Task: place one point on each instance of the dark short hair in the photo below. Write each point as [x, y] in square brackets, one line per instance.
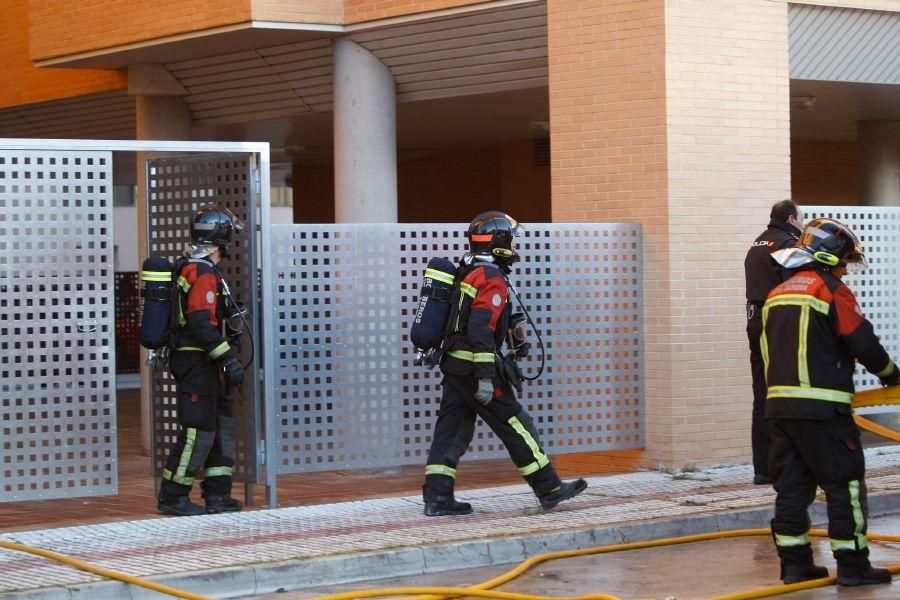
[783, 210]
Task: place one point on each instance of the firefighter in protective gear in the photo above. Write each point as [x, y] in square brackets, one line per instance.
[761, 275]
[813, 334]
[200, 359]
[478, 324]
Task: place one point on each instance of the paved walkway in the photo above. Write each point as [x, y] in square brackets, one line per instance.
[261, 551]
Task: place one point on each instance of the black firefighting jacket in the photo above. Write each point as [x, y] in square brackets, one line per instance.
[201, 309]
[760, 271]
[813, 333]
[479, 318]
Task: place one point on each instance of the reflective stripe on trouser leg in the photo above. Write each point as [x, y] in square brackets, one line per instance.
[197, 445]
[440, 470]
[788, 541]
[859, 541]
[540, 459]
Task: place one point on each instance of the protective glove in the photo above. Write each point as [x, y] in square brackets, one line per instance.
[892, 378]
[485, 392]
[234, 371]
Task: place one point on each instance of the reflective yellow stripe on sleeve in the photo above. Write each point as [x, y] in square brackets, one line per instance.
[184, 284]
[219, 350]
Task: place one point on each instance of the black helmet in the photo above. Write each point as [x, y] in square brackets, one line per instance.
[832, 243]
[492, 234]
[214, 226]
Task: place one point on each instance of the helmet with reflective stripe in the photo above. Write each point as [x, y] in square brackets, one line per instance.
[832, 243]
[214, 225]
[491, 234]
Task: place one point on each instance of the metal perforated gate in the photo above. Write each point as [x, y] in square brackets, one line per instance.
[345, 390]
[877, 288]
[57, 372]
[178, 186]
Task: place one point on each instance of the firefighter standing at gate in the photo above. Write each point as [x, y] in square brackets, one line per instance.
[478, 321]
[813, 334]
[200, 358]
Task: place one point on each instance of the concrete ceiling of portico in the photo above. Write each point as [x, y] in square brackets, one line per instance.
[838, 106]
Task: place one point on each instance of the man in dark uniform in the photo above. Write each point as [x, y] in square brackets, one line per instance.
[813, 334]
[762, 274]
[200, 358]
[479, 319]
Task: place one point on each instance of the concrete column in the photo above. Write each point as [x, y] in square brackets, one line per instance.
[365, 137]
[879, 162]
[159, 116]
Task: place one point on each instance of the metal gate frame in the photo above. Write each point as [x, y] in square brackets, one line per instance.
[260, 150]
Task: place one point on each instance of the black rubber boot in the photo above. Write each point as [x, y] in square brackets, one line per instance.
[439, 506]
[797, 562]
[220, 504]
[855, 569]
[796, 573]
[565, 491]
[179, 506]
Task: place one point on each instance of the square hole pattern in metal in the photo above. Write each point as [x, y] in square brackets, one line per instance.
[877, 289]
[346, 392]
[57, 374]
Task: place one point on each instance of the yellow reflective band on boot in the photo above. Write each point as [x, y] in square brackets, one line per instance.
[440, 276]
[786, 541]
[440, 470]
[219, 350]
[156, 276]
[812, 393]
[845, 545]
[190, 440]
[219, 471]
[540, 459]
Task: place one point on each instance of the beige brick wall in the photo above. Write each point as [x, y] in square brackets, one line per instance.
[608, 153]
[675, 114]
[728, 126]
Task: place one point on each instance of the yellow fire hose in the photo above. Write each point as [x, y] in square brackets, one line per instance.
[876, 397]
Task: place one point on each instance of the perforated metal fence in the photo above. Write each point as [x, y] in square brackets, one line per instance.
[346, 393]
[877, 288]
[57, 377]
[178, 186]
[127, 302]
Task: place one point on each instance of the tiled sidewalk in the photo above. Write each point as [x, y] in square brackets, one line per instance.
[163, 546]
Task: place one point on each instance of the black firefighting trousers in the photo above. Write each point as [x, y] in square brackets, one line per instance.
[456, 424]
[805, 453]
[759, 433]
[205, 445]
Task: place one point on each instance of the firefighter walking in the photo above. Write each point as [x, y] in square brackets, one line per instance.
[478, 322]
[813, 334]
[200, 357]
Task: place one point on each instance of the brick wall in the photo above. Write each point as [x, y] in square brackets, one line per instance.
[23, 83]
[675, 114]
[824, 172]
[59, 28]
[728, 117]
[608, 154]
[291, 11]
[356, 11]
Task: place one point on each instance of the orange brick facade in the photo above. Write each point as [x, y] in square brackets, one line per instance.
[23, 83]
